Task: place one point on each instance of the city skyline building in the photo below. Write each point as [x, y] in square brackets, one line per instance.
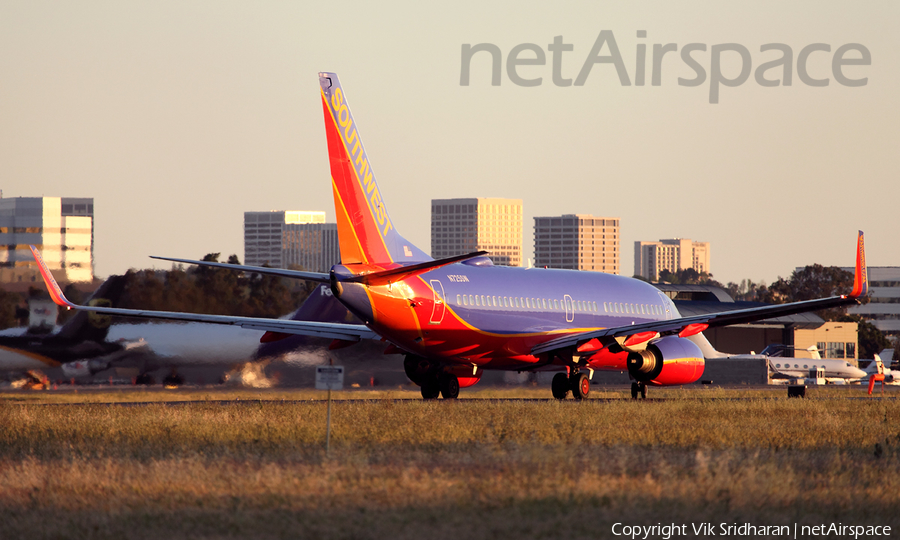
[62, 228]
[282, 238]
[577, 242]
[651, 258]
[460, 226]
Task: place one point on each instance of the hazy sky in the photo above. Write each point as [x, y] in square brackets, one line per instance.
[176, 117]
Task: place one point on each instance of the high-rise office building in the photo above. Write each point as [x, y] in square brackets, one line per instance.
[460, 226]
[577, 242]
[284, 238]
[651, 258]
[62, 228]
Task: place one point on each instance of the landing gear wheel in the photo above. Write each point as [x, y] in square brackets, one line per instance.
[581, 385]
[144, 379]
[449, 386]
[560, 386]
[643, 390]
[431, 388]
[173, 380]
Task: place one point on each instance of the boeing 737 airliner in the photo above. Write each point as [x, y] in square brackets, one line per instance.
[455, 318]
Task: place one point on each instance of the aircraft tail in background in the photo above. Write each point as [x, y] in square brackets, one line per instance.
[89, 326]
[365, 231]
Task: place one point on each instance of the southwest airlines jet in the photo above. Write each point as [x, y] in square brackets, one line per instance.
[455, 318]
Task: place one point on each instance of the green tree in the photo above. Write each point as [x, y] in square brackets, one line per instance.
[688, 276]
[810, 283]
[9, 302]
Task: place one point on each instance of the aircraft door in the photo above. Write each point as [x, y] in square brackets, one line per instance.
[437, 313]
[570, 308]
[666, 303]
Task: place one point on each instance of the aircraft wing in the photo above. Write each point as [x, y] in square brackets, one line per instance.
[688, 326]
[346, 332]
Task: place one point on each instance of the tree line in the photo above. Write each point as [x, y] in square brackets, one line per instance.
[195, 289]
[216, 291]
[203, 289]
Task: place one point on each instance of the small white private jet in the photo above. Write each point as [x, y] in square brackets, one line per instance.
[784, 367]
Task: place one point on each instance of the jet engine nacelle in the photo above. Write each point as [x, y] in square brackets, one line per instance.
[83, 368]
[668, 361]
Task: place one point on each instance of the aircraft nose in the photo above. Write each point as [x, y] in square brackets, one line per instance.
[858, 373]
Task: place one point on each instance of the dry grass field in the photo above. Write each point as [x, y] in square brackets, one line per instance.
[74, 466]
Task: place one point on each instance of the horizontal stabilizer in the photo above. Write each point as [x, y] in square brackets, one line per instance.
[396, 274]
[294, 274]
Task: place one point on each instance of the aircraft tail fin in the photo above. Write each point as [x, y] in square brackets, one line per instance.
[365, 231]
[861, 276]
[91, 326]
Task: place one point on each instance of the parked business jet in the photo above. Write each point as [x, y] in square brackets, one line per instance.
[81, 347]
[880, 366]
[784, 367]
[454, 318]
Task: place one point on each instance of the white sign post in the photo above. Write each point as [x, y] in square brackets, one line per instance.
[329, 378]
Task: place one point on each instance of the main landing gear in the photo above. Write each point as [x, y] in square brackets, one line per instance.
[578, 383]
[432, 380]
[444, 384]
[638, 388]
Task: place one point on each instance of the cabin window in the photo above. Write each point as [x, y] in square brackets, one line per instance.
[506, 302]
[778, 365]
[465, 300]
[805, 366]
[544, 302]
[555, 304]
[605, 307]
[494, 300]
[471, 300]
[458, 300]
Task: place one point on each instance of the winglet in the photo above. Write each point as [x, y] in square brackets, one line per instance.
[861, 277]
[52, 286]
